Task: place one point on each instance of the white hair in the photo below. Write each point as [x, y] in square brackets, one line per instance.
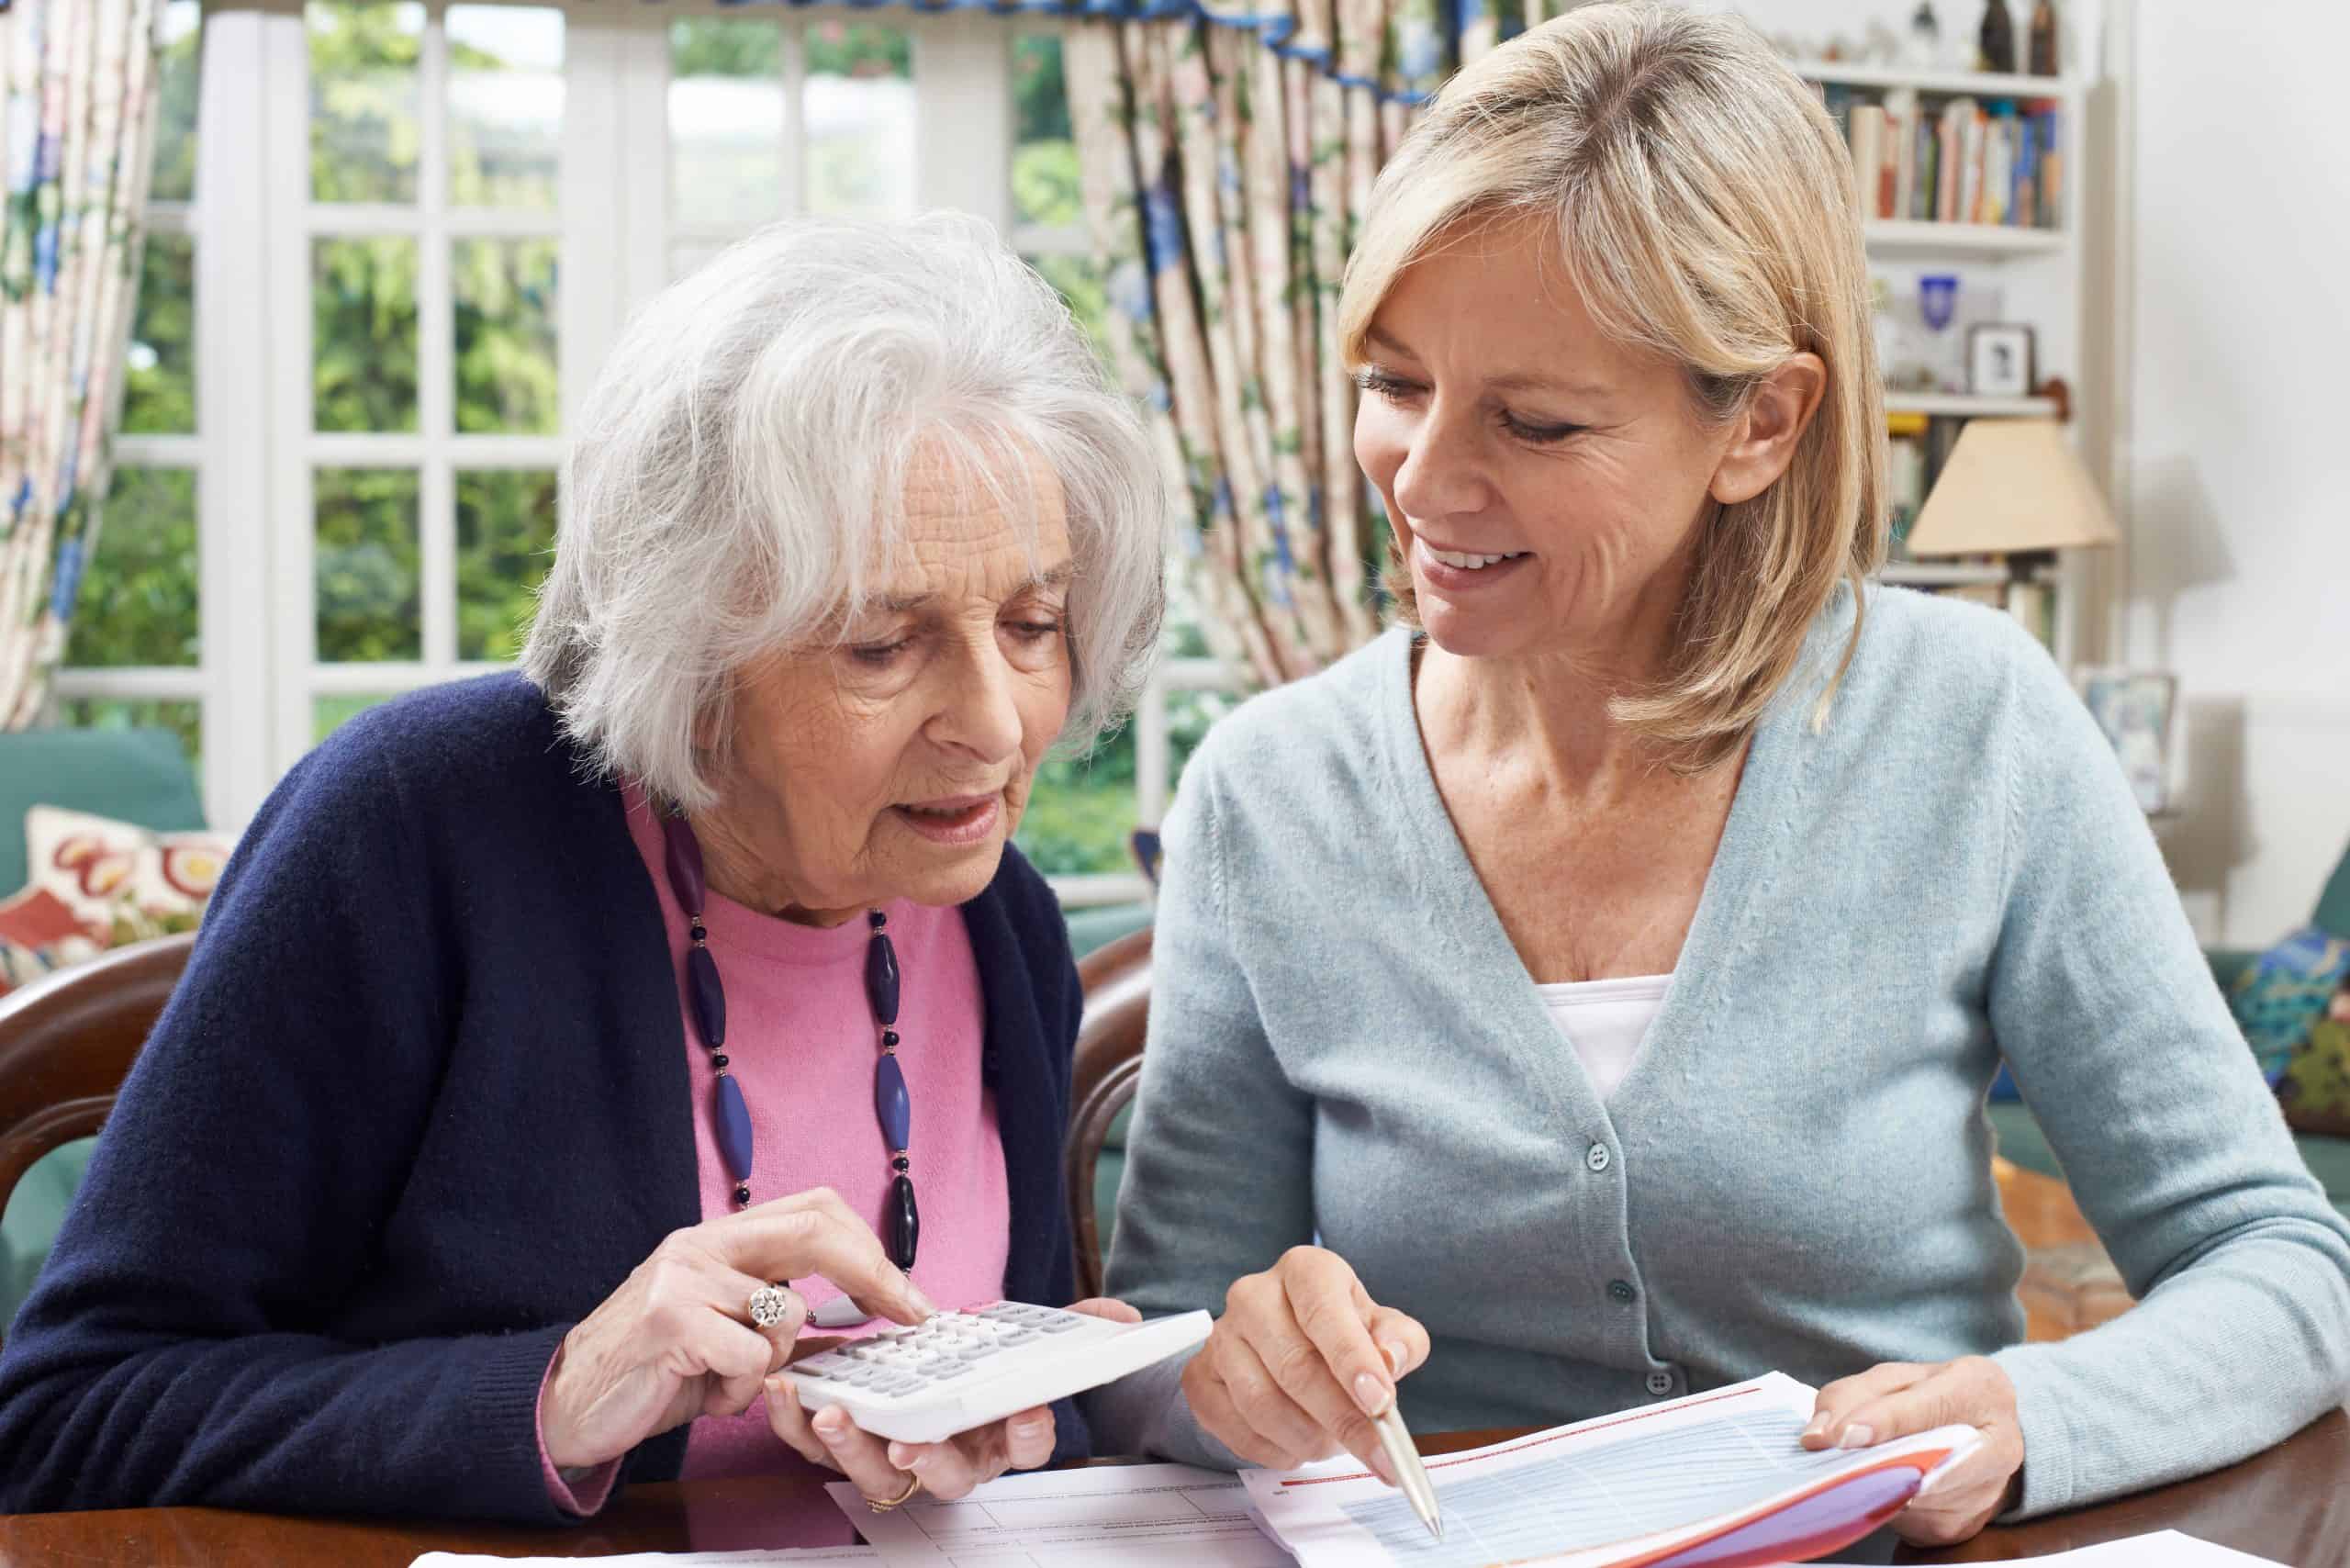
[735, 484]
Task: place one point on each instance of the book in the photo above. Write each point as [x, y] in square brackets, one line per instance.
[1955, 160]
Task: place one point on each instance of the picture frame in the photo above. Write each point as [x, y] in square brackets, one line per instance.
[2138, 711]
[1999, 360]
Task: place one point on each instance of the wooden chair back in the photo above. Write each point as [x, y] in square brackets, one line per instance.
[1103, 1080]
[67, 1042]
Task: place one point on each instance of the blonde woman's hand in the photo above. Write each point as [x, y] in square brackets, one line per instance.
[1899, 1399]
[675, 1341]
[1300, 1362]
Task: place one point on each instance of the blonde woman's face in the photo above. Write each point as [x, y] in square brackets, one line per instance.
[1544, 482]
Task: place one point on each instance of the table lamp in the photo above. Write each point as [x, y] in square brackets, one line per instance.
[2010, 485]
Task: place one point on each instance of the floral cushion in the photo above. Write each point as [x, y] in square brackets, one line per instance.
[2316, 1087]
[2285, 991]
[97, 884]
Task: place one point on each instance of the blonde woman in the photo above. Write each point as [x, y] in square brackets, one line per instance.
[1587, 995]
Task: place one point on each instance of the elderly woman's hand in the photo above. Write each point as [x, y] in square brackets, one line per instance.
[880, 1468]
[674, 1341]
[1300, 1362]
[1898, 1399]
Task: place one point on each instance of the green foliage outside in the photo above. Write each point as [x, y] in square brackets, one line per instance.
[366, 565]
[140, 596]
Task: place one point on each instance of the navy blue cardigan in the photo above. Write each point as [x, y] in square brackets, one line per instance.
[418, 1105]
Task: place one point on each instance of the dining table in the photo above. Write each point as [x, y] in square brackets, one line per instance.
[2290, 1504]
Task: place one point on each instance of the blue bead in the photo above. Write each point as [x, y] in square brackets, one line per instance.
[882, 979]
[735, 1128]
[708, 996]
[890, 1102]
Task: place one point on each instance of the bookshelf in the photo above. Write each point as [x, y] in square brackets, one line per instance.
[2041, 275]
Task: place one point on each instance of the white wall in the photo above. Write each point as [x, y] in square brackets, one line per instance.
[2236, 463]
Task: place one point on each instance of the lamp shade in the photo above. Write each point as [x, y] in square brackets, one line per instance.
[2011, 485]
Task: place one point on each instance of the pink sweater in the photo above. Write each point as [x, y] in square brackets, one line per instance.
[801, 1040]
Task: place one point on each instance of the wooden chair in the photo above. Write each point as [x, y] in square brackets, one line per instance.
[67, 1042]
[1103, 1080]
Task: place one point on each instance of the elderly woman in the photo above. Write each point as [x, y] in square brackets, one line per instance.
[1694, 887]
[547, 1024]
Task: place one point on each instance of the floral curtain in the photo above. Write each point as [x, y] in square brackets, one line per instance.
[76, 127]
[1227, 161]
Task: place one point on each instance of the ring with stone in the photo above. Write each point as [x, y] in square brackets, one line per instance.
[770, 1305]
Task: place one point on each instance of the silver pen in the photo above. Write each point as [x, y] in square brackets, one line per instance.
[1404, 1459]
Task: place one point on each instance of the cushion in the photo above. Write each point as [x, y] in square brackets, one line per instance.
[40, 932]
[2020, 1140]
[36, 1210]
[2315, 1091]
[2284, 993]
[133, 775]
[122, 882]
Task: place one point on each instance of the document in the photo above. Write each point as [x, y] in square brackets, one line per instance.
[1121, 1516]
[1719, 1470]
[781, 1557]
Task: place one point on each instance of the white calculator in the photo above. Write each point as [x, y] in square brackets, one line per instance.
[962, 1370]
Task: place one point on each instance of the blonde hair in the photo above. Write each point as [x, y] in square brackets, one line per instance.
[1703, 204]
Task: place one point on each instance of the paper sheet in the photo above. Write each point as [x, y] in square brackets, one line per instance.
[1122, 1515]
[781, 1557]
[2167, 1550]
[1578, 1496]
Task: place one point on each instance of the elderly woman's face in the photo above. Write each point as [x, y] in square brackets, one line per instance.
[896, 764]
[1544, 481]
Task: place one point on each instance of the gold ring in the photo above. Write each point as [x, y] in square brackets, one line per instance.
[913, 1484]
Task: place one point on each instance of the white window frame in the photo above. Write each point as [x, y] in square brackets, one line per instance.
[254, 452]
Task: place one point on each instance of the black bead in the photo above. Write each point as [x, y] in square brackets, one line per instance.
[876, 919]
[902, 1165]
[718, 1061]
[890, 1040]
[905, 1223]
[743, 1193]
[882, 979]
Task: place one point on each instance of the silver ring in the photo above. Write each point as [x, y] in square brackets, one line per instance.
[770, 1305]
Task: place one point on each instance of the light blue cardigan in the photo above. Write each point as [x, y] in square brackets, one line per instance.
[1797, 1173]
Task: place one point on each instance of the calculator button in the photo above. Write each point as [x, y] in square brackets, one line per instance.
[1025, 1337]
[1061, 1322]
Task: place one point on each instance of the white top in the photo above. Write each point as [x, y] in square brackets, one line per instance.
[1604, 1021]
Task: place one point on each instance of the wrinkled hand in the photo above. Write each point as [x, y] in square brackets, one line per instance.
[675, 1340]
[1300, 1362]
[1898, 1399]
[880, 1468]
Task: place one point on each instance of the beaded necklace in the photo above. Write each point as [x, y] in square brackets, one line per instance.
[706, 1000]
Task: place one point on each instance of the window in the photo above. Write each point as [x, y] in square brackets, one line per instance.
[452, 207]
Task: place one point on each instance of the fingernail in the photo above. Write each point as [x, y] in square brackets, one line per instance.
[1819, 1424]
[919, 1461]
[902, 1456]
[831, 1420]
[1370, 1393]
[1856, 1437]
[776, 1385]
[1381, 1468]
[1032, 1428]
[1396, 1354]
[919, 1302]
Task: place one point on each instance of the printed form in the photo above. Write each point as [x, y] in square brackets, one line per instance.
[1629, 1489]
[1124, 1515]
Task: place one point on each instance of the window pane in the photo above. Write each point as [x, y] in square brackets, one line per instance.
[505, 104]
[326, 713]
[505, 543]
[138, 598]
[1045, 187]
[504, 294]
[686, 257]
[186, 717]
[858, 113]
[363, 100]
[1079, 282]
[363, 334]
[725, 120]
[1082, 809]
[159, 395]
[1189, 716]
[366, 565]
[173, 176]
